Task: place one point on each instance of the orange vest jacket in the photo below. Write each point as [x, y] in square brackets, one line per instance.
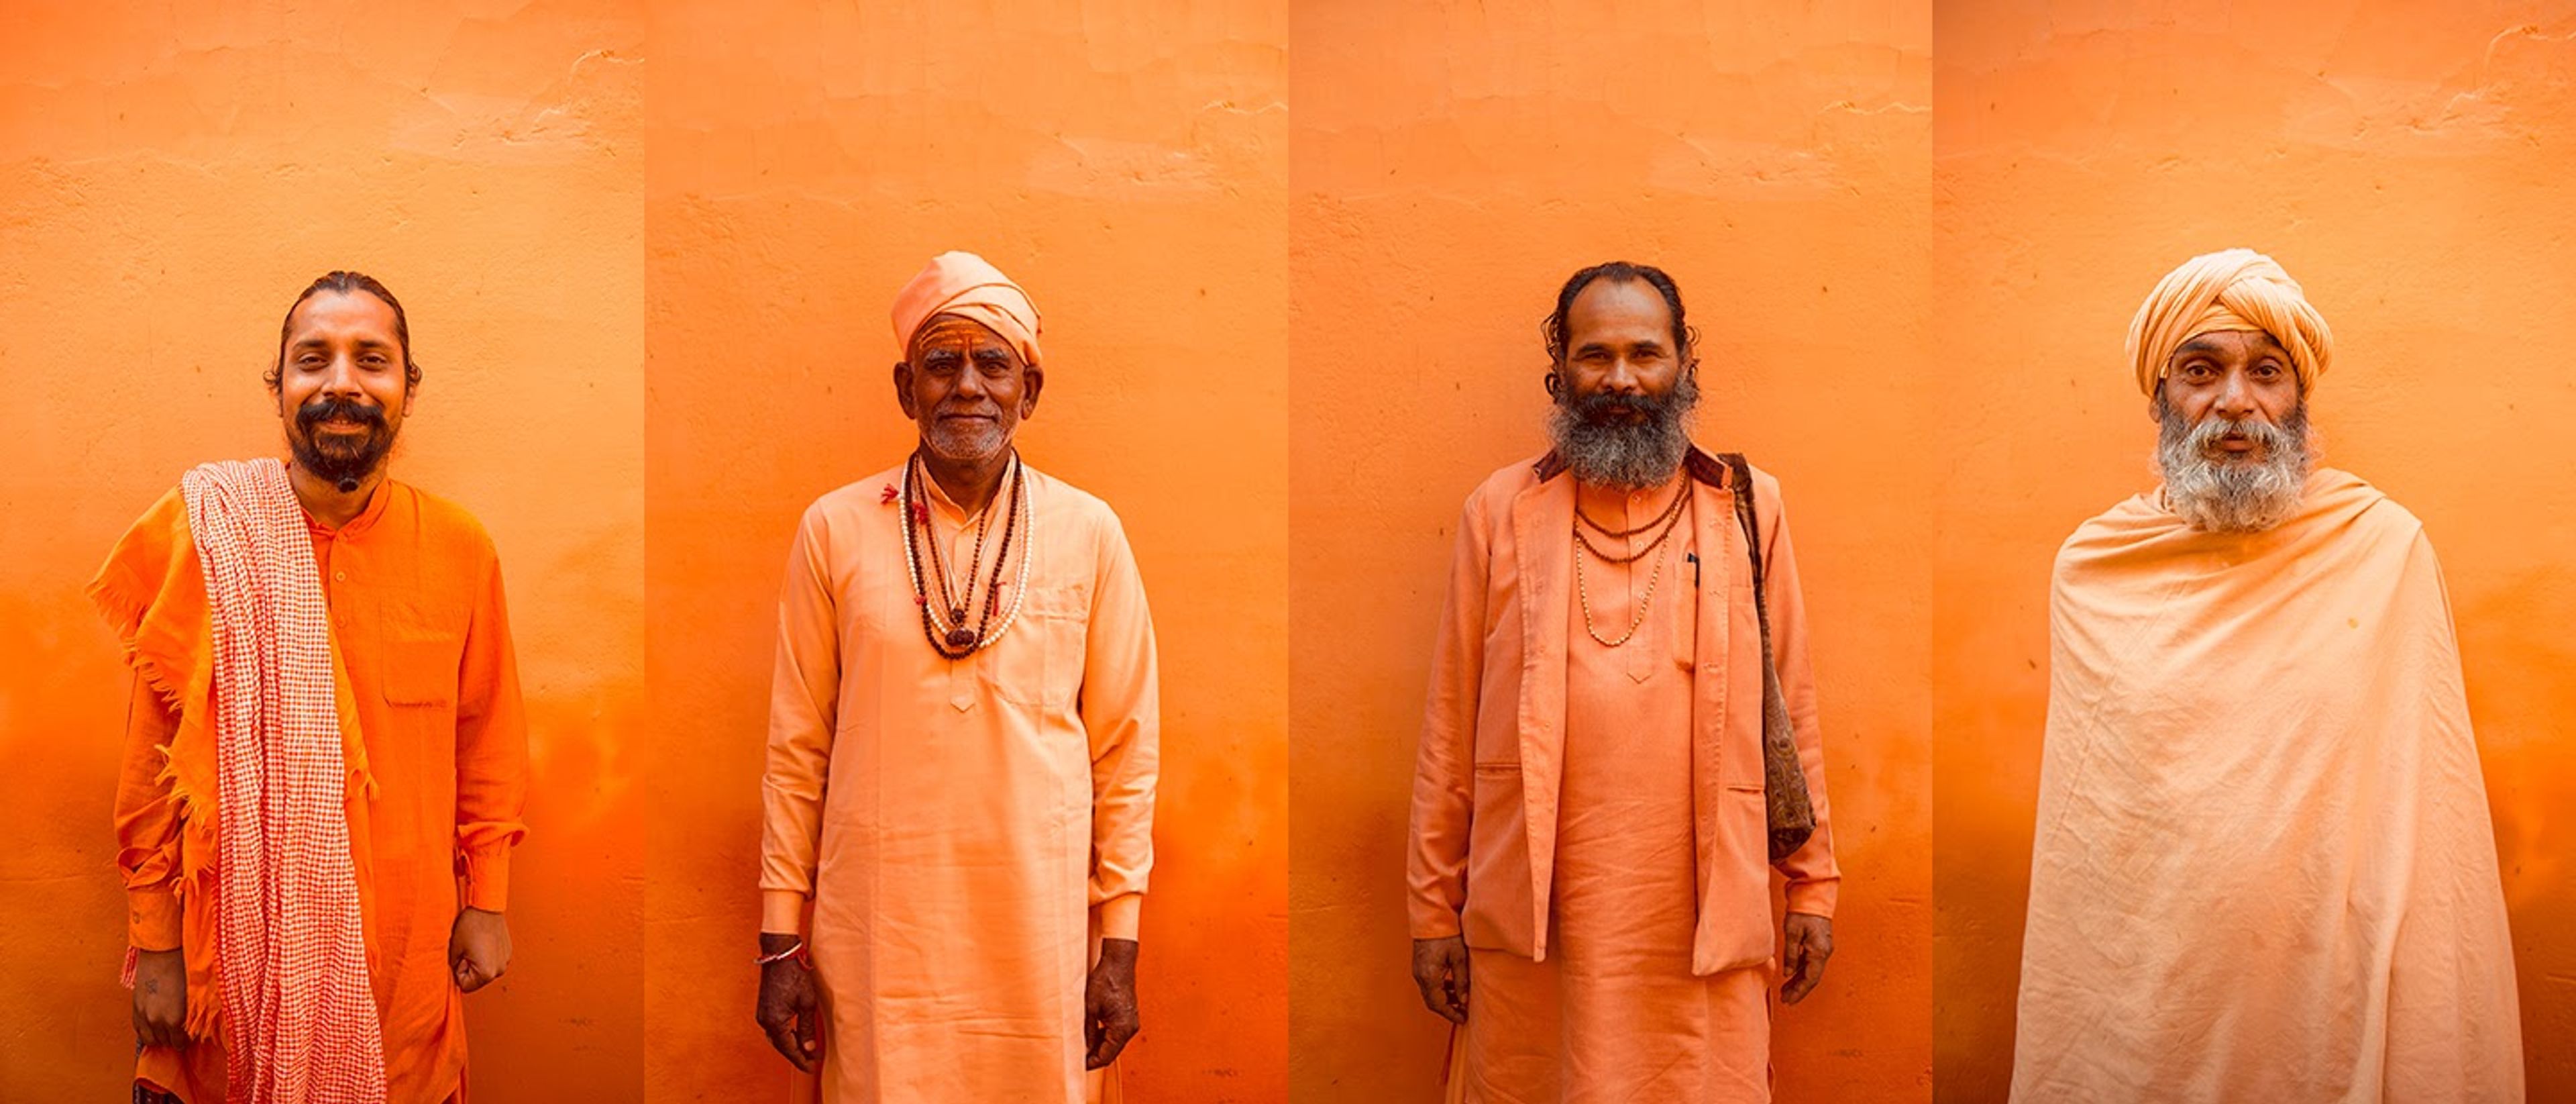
[1483, 837]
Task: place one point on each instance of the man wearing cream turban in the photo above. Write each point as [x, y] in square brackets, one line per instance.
[2263, 867]
[963, 726]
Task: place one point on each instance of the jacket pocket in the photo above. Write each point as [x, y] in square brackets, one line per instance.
[1735, 916]
[1497, 916]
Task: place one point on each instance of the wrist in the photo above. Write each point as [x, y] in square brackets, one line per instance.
[1118, 954]
[782, 950]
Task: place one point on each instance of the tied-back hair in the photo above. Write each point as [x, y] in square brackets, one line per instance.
[345, 283]
[1685, 338]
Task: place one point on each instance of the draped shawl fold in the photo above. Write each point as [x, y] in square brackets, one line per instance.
[2263, 866]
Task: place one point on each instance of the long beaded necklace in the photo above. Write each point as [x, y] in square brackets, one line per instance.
[949, 635]
[1583, 591]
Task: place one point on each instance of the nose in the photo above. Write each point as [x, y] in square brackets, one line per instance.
[342, 380]
[2236, 397]
[1622, 379]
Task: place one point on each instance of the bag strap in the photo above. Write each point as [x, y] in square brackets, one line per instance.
[1740, 481]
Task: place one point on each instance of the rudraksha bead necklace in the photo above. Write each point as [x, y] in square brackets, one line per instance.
[949, 635]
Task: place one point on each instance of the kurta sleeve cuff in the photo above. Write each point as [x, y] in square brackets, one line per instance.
[782, 912]
[487, 879]
[152, 919]
[1119, 915]
[1814, 898]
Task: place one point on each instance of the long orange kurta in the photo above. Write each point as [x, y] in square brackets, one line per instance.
[1592, 819]
[2263, 867]
[964, 829]
[427, 682]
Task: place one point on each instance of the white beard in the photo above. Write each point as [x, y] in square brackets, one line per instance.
[2223, 495]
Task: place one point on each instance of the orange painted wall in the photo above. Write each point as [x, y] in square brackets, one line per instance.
[1127, 162]
[2408, 164]
[1453, 162]
[170, 177]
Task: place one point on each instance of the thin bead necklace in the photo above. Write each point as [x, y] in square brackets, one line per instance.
[1680, 495]
[1583, 594]
[1671, 519]
[947, 576]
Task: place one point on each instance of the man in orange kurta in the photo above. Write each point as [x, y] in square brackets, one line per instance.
[1589, 844]
[962, 747]
[2263, 867]
[426, 695]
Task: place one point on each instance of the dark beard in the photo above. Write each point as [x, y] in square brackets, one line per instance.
[1627, 456]
[340, 458]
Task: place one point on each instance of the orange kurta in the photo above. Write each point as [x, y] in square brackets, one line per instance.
[963, 829]
[427, 681]
[1592, 818]
[2263, 867]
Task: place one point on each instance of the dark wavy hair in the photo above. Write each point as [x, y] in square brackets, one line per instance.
[1553, 328]
[345, 283]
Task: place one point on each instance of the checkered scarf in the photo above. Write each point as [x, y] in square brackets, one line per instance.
[299, 1019]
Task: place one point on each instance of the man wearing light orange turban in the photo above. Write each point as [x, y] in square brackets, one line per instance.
[963, 730]
[2263, 867]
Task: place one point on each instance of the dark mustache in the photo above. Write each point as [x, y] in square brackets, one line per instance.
[325, 409]
[1594, 406]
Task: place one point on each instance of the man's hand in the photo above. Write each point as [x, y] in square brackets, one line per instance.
[1810, 942]
[478, 948]
[1109, 1003]
[161, 998]
[790, 1008]
[1440, 971]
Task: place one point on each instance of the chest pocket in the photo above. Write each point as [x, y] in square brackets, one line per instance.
[420, 660]
[1039, 662]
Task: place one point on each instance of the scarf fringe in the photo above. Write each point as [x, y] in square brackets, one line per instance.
[126, 616]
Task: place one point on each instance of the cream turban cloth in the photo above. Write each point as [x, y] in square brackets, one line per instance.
[966, 285]
[2232, 289]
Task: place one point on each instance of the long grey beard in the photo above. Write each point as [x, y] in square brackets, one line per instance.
[1622, 455]
[2234, 496]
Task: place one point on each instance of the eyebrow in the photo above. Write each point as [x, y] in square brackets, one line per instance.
[2270, 348]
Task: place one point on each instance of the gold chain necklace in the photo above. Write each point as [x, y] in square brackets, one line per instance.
[1583, 593]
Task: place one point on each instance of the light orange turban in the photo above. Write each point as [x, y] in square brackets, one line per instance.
[965, 285]
[2232, 289]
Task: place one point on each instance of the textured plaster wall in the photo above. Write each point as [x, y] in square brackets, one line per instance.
[170, 177]
[1453, 162]
[2407, 163]
[1127, 162]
